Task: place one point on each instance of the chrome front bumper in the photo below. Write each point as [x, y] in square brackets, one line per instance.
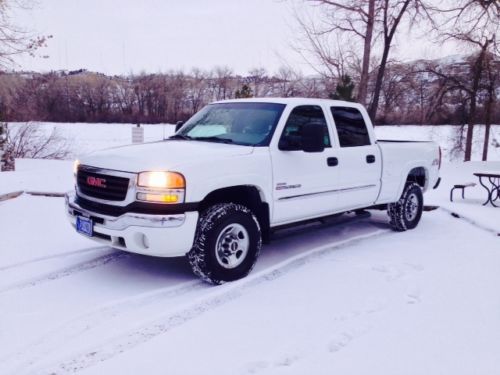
[159, 235]
[126, 220]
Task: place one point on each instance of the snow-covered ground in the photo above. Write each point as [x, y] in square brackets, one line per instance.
[348, 297]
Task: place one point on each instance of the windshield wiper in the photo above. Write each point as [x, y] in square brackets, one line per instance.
[213, 139]
[180, 136]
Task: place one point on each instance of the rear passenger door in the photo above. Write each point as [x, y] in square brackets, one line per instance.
[360, 164]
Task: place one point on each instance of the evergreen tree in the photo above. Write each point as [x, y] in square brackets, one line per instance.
[7, 162]
[344, 89]
[244, 92]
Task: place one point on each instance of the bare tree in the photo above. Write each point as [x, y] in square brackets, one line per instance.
[286, 82]
[431, 92]
[324, 37]
[257, 77]
[197, 87]
[15, 40]
[362, 20]
[30, 141]
[392, 13]
[475, 23]
[492, 77]
[222, 79]
[356, 19]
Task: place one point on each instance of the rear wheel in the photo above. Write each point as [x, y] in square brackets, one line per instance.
[406, 213]
[227, 243]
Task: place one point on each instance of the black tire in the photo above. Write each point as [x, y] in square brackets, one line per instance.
[406, 213]
[231, 225]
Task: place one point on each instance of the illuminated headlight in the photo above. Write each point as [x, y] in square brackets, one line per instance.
[161, 180]
[161, 187]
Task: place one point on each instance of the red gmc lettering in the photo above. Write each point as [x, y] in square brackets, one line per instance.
[96, 181]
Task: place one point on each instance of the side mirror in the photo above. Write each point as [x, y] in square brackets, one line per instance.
[178, 125]
[313, 135]
[290, 143]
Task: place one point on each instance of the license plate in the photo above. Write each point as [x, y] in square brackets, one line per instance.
[84, 226]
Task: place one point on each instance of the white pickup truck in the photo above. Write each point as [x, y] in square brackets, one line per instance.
[238, 170]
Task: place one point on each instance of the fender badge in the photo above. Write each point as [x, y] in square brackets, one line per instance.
[284, 185]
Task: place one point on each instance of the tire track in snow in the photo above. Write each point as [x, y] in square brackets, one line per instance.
[192, 310]
[54, 256]
[62, 334]
[471, 221]
[68, 271]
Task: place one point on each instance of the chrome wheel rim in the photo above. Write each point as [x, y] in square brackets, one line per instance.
[412, 204]
[232, 246]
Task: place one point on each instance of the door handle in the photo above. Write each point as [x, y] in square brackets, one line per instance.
[370, 159]
[332, 162]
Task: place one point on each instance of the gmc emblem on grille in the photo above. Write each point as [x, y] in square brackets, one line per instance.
[96, 181]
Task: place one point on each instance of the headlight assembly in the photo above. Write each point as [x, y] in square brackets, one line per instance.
[161, 187]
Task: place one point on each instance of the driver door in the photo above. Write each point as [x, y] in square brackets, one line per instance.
[303, 182]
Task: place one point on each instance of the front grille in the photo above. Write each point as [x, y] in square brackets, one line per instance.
[111, 188]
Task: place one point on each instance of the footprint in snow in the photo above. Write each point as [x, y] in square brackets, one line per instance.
[392, 272]
[347, 316]
[412, 299]
[413, 296]
[341, 340]
[415, 267]
[254, 367]
[287, 361]
[396, 272]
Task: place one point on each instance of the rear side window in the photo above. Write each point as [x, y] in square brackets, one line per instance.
[302, 116]
[351, 127]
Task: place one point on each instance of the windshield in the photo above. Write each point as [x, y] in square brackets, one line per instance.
[250, 124]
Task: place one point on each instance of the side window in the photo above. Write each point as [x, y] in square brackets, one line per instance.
[351, 127]
[302, 116]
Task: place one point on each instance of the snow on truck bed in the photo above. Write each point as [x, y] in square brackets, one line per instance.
[348, 297]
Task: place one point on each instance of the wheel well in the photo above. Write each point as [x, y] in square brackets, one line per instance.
[418, 175]
[245, 195]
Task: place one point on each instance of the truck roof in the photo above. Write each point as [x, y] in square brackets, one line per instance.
[293, 101]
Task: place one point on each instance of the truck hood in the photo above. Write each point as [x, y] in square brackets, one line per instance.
[163, 155]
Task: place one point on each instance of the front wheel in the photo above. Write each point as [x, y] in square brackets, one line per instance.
[406, 213]
[227, 243]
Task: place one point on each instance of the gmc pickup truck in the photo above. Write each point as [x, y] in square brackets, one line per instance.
[238, 170]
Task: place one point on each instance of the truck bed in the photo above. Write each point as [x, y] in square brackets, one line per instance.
[399, 157]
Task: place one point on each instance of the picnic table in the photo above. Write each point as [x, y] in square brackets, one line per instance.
[490, 180]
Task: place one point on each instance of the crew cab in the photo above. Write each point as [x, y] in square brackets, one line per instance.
[239, 169]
